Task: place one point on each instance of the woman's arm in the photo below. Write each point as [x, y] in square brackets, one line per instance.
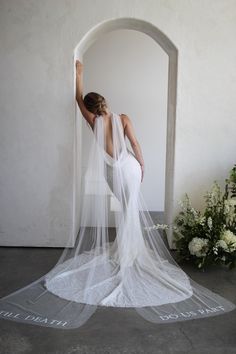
[129, 131]
[89, 116]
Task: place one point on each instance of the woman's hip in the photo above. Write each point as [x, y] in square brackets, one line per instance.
[127, 167]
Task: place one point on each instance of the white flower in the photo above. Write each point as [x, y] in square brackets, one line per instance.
[181, 203]
[229, 209]
[229, 238]
[226, 206]
[232, 202]
[215, 195]
[202, 220]
[222, 244]
[209, 222]
[194, 212]
[215, 190]
[198, 247]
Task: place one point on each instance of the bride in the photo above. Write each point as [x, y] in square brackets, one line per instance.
[118, 259]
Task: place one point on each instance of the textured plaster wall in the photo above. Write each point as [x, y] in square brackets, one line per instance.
[37, 103]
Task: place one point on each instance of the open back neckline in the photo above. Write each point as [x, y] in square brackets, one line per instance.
[111, 119]
[110, 159]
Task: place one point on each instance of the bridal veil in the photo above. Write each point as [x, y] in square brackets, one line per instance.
[117, 259]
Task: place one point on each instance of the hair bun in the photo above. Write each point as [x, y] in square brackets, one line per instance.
[95, 103]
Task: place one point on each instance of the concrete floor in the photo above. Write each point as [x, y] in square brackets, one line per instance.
[113, 331]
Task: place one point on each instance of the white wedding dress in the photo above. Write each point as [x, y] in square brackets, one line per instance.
[135, 269]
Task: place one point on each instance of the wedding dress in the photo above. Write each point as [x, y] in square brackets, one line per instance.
[134, 269]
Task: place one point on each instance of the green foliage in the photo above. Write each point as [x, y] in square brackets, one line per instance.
[209, 237]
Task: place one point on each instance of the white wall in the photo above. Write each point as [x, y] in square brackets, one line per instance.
[130, 70]
[37, 104]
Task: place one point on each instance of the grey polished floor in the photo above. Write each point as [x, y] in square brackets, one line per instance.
[113, 331]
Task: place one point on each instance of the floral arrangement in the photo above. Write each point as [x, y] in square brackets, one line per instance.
[208, 237]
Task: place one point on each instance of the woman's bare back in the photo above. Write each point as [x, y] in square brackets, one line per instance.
[108, 134]
[128, 131]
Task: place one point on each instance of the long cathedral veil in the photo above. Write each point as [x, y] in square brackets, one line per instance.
[118, 259]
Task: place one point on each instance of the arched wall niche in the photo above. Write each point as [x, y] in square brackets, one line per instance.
[160, 38]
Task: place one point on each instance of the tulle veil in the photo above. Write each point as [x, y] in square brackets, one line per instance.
[117, 260]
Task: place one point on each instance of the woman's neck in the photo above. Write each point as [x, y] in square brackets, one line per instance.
[107, 114]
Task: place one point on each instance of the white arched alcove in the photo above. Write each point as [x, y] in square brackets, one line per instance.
[90, 37]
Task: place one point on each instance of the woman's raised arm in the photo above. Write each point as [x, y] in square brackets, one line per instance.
[89, 116]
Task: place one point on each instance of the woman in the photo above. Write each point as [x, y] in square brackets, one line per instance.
[93, 105]
[117, 259]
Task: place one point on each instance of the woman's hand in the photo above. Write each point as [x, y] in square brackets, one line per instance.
[79, 67]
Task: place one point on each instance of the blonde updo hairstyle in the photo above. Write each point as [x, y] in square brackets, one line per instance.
[95, 103]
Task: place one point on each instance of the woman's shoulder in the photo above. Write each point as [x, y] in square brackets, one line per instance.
[125, 119]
